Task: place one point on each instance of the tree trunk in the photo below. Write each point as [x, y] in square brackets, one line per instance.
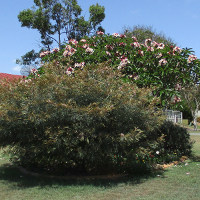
[194, 115]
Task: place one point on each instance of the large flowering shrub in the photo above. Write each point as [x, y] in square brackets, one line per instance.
[89, 122]
[148, 65]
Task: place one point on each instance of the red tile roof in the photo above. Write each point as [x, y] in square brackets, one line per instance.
[9, 77]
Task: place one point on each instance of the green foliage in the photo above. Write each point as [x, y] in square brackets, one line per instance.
[152, 64]
[191, 97]
[144, 32]
[55, 17]
[91, 122]
[97, 15]
[58, 21]
[177, 141]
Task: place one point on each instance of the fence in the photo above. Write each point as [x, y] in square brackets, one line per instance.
[174, 116]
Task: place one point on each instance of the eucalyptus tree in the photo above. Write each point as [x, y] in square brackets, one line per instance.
[58, 21]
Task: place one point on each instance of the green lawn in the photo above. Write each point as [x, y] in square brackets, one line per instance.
[177, 182]
[190, 127]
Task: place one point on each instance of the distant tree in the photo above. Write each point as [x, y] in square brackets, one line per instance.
[146, 32]
[28, 61]
[61, 20]
[191, 97]
[57, 21]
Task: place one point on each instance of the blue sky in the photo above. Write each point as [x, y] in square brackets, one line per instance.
[177, 19]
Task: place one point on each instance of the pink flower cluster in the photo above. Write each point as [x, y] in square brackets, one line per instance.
[55, 50]
[135, 44]
[116, 34]
[69, 51]
[70, 71]
[79, 65]
[177, 49]
[191, 58]
[83, 40]
[176, 99]
[162, 62]
[44, 53]
[124, 62]
[34, 71]
[109, 47]
[89, 50]
[100, 33]
[112, 49]
[73, 41]
[178, 87]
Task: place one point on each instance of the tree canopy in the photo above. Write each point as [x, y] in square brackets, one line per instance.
[144, 32]
[61, 20]
[165, 68]
[58, 21]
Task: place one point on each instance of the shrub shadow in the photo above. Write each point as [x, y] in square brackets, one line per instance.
[13, 174]
[195, 158]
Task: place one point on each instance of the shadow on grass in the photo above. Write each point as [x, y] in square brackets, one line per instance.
[195, 158]
[12, 174]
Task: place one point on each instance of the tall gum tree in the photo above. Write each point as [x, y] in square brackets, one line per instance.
[58, 21]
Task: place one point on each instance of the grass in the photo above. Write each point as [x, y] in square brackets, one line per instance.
[190, 127]
[179, 182]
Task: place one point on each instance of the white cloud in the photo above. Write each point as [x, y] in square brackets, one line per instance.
[16, 69]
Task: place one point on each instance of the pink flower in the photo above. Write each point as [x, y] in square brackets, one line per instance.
[122, 44]
[162, 62]
[69, 51]
[116, 34]
[27, 80]
[122, 36]
[34, 71]
[109, 47]
[141, 53]
[148, 42]
[42, 54]
[83, 40]
[177, 49]
[66, 53]
[108, 53]
[155, 44]
[55, 50]
[177, 99]
[178, 87]
[191, 58]
[79, 65]
[134, 76]
[69, 71]
[73, 41]
[68, 47]
[89, 50]
[85, 46]
[123, 63]
[134, 38]
[100, 33]
[135, 44]
[73, 51]
[161, 46]
[159, 55]
[150, 49]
